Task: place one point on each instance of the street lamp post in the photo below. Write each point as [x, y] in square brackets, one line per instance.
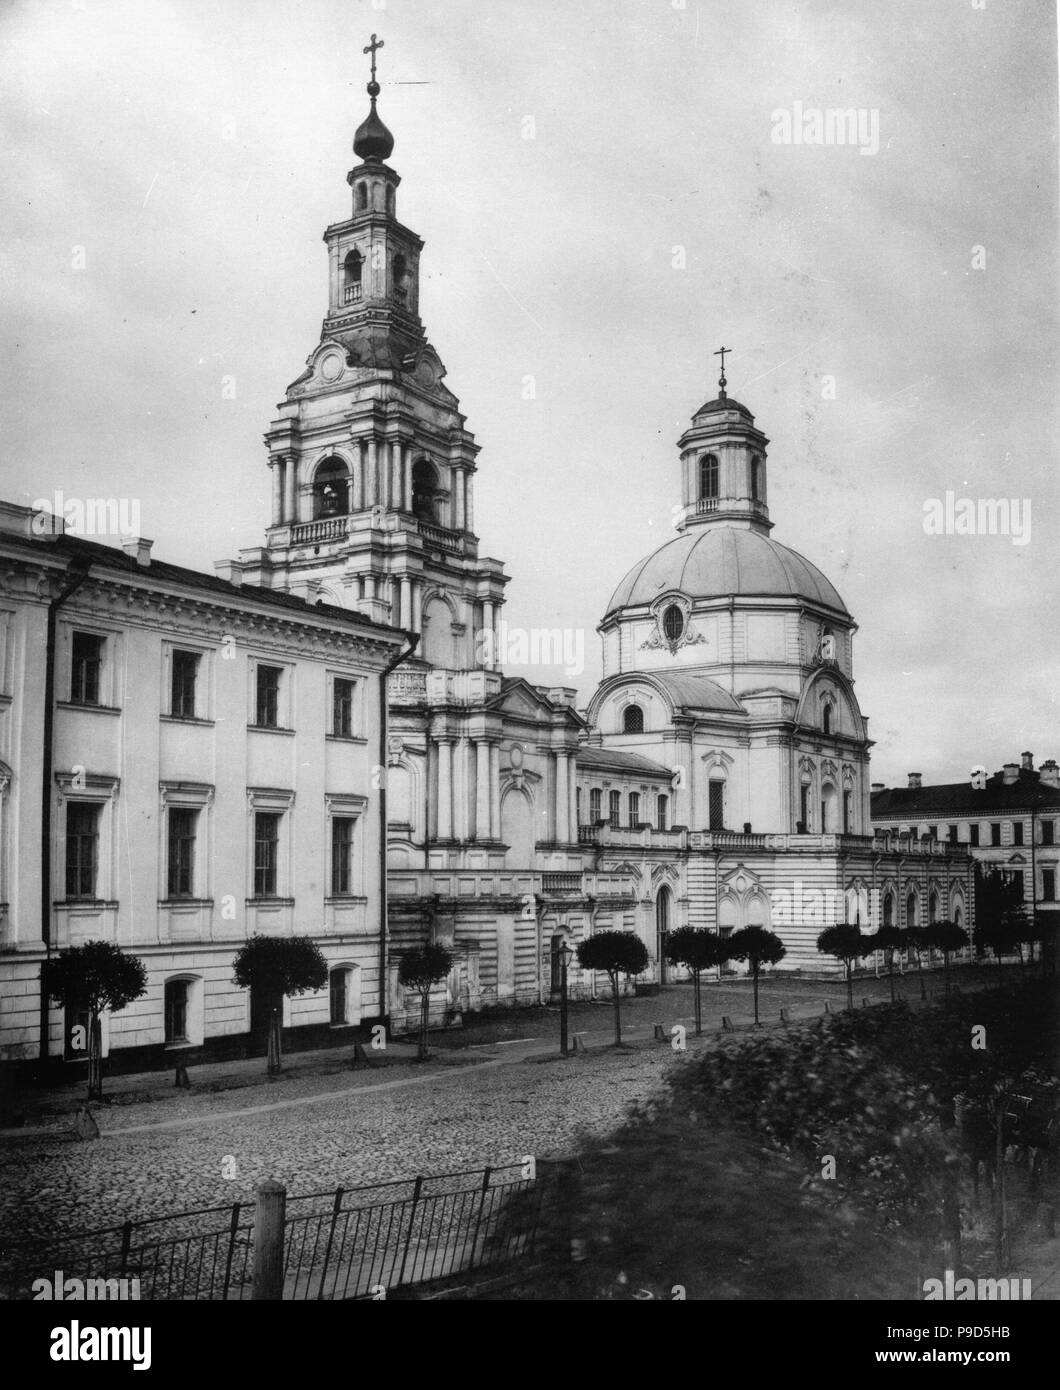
[565, 954]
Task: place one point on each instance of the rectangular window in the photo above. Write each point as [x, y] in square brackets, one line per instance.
[717, 804]
[577, 805]
[1047, 832]
[952, 832]
[933, 831]
[342, 709]
[182, 686]
[86, 665]
[1017, 832]
[267, 707]
[634, 810]
[341, 855]
[848, 804]
[614, 808]
[1016, 875]
[995, 832]
[176, 1011]
[595, 809]
[266, 853]
[82, 849]
[804, 808]
[1049, 885]
[973, 833]
[663, 808]
[181, 877]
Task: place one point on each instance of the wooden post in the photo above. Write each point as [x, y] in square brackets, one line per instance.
[269, 1212]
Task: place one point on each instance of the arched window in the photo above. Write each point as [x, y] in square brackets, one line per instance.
[390, 199]
[634, 810]
[424, 490]
[716, 803]
[910, 910]
[828, 809]
[344, 987]
[331, 489]
[614, 808]
[888, 910]
[826, 716]
[708, 477]
[756, 479]
[595, 797]
[352, 267]
[633, 720]
[362, 197]
[933, 908]
[176, 1010]
[662, 811]
[673, 623]
[401, 277]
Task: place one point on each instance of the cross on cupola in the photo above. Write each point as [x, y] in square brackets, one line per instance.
[722, 383]
[373, 140]
[372, 48]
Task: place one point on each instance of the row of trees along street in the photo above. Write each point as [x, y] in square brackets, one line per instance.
[99, 976]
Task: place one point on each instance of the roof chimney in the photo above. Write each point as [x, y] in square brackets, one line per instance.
[914, 779]
[1010, 772]
[138, 548]
[878, 786]
[1049, 774]
[231, 570]
[1027, 759]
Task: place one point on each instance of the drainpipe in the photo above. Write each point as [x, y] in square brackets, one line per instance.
[76, 575]
[413, 640]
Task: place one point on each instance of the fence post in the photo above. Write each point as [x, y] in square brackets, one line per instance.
[412, 1226]
[482, 1199]
[269, 1212]
[233, 1230]
[335, 1209]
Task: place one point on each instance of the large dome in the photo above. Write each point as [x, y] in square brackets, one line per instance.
[716, 561]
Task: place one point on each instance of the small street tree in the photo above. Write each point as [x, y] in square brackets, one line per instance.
[699, 951]
[617, 953]
[1000, 915]
[420, 970]
[90, 978]
[848, 944]
[275, 966]
[890, 940]
[946, 937]
[916, 937]
[757, 947]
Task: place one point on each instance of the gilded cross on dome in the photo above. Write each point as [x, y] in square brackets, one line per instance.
[372, 47]
[720, 353]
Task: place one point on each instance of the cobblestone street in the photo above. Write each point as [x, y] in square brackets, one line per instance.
[322, 1124]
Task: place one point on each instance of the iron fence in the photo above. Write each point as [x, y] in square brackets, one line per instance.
[347, 1243]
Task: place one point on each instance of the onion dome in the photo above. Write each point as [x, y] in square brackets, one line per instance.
[373, 140]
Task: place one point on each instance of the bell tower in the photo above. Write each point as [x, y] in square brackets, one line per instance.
[372, 464]
[723, 465]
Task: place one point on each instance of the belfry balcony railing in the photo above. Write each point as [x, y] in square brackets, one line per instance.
[440, 536]
[351, 294]
[331, 528]
[705, 505]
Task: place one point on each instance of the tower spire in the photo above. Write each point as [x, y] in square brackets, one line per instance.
[373, 140]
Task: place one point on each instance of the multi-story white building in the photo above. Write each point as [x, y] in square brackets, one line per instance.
[1009, 822]
[185, 760]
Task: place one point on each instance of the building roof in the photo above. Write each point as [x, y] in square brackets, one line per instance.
[715, 561]
[694, 692]
[961, 799]
[159, 572]
[616, 760]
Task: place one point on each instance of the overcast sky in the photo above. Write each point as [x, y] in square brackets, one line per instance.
[168, 171]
